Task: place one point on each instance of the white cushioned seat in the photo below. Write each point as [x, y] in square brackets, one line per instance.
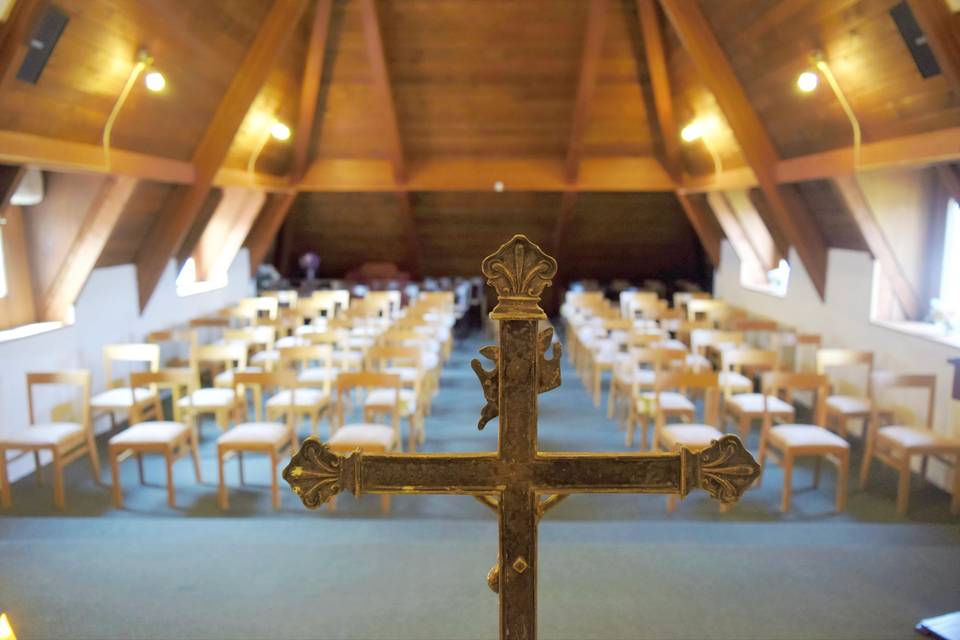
[267, 355]
[407, 374]
[348, 358]
[291, 341]
[753, 403]
[209, 397]
[672, 343]
[736, 381]
[386, 398]
[363, 435]
[52, 434]
[669, 401]
[359, 342]
[430, 360]
[120, 397]
[806, 435]
[306, 397]
[697, 361]
[848, 404]
[690, 435]
[914, 438]
[318, 374]
[225, 378]
[152, 432]
[247, 433]
[643, 377]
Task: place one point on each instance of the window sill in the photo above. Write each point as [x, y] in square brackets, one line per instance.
[30, 330]
[766, 290]
[924, 330]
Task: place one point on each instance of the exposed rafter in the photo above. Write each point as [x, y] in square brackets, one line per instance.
[589, 64]
[660, 84]
[856, 203]
[763, 210]
[936, 20]
[310, 89]
[180, 210]
[10, 178]
[267, 226]
[101, 218]
[792, 216]
[705, 225]
[224, 234]
[381, 85]
[733, 229]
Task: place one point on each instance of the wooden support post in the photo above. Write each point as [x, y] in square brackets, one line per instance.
[732, 228]
[589, 64]
[310, 89]
[226, 230]
[267, 226]
[705, 225]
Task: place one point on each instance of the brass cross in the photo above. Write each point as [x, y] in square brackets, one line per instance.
[517, 481]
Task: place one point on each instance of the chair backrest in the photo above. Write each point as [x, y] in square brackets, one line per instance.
[885, 382]
[784, 383]
[836, 358]
[261, 382]
[230, 355]
[684, 382]
[73, 378]
[700, 339]
[136, 353]
[263, 305]
[174, 379]
[381, 357]
[303, 356]
[698, 309]
[747, 359]
[368, 380]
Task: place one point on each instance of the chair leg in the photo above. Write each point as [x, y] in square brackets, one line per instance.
[58, 498]
[94, 457]
[611, 399]
[222, 498]
[240, 467]
[744, 427]
[195, 454]
[274, 485]
[140, 467]
[38, 469]
[5, 500]
[843, 473]
[596, 385]
[787, 463]
[115, 477]
[171, 494]
[903, 485]
[385, 503]
[644, 424]
[631, 425]
[954, 502]
[865, 465]
[816, 471]
[671, 503]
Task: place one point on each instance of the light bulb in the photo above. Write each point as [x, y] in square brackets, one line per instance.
[280, 131]
[155, 81]
[498, 186]
[808, 81]
[693, 131]
[6, 631]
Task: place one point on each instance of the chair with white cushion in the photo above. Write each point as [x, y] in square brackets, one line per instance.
[119, 398]
[222, 402]
[367, 436]
[895, 435]
[406, 362]
[707, 344]
[312, 397]
[746, 407]
[790, 440]
[66, 441]
[843, 407]
[171, 439]
[274, 439]
[643, 398]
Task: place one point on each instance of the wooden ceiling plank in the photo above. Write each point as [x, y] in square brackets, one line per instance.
[660, 83]
[589, 65]
[381, 84]
[310, 89]
[792, 216]
[856, 202]
[178, 213]
[705, 226]
[266, 227]
[937, 23]
[102, 217]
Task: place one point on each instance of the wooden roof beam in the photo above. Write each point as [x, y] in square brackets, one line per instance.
[310, 89]
[656, 61]
[589, 64]
[180, 210]
[381, 85]
[856, 202]
[733, 229]
[225, 232]
[102, 216]
[705, 226]
[792, 216]
[938, 25]
[266, 227]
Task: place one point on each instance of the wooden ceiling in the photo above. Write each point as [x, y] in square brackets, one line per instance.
[421, 105]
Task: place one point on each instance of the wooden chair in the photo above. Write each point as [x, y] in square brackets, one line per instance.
[604, 351]
[791, 440]
[710, 310]
[625, 372]
[744, 408]
[695, 436]
[706, 344]
[313, 397]
[639, 303]
[657, 359]
[733, 364]
[259, 436]
[896, 444]
[66, 441]
[253, 339]
[219, 401]
[841, 408]
[170, 439]
[120, 398]
[179, 341]
[367, 436]
[405, 362]
[268, 306]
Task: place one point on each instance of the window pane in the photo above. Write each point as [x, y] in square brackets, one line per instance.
[950, 276]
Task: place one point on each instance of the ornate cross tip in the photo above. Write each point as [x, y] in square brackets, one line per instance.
[726, 469]
[519, 271]
[315, 473]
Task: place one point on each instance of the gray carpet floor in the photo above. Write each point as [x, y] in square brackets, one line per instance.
[611, 566]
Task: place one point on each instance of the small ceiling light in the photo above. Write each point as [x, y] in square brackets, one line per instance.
[155, 81]
[693, 131]
[6, 631]
[280, 131]
[498, 186]
[808, 81]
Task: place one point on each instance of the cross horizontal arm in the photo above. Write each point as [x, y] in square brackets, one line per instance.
[610, 473]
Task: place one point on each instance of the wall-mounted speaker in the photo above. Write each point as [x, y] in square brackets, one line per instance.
[41, 43]
[915, 40]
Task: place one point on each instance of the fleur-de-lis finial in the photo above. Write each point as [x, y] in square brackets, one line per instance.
[315, 473]
[726, 469]
[519, 271]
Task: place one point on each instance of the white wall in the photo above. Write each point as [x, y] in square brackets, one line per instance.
[843, 320]
[107, 311]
